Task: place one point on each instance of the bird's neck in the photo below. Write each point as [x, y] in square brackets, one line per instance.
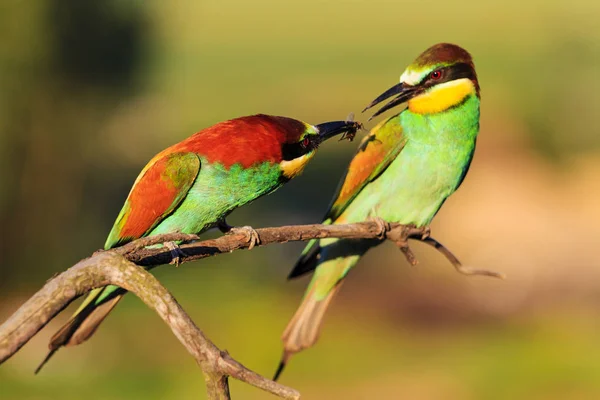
[460, 122]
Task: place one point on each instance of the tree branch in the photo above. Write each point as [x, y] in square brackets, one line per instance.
[118, 267]
[111, 268]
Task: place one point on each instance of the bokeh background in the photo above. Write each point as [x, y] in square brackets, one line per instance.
[90, 91]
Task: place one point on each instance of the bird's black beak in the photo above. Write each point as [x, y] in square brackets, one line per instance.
[328, 130]
[405, 92]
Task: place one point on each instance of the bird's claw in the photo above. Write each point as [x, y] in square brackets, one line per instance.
[426, 233]
[383, 226]
[176, 253]
[249, 232]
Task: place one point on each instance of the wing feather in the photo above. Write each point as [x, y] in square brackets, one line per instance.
[375, 153]
[157, 192]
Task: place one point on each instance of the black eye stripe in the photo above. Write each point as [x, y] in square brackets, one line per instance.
[451, 73]
[461, 70]
[290, 151]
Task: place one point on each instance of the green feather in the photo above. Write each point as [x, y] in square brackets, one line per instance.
[429, 168]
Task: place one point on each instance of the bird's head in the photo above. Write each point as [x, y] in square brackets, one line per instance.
[442, 77]
[299, 145]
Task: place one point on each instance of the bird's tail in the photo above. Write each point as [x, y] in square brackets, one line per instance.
[331, 264]
[303, 330]
[82, 325]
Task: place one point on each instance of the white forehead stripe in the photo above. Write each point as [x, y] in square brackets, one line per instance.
[411, 77]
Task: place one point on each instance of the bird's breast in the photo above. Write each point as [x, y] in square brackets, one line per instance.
[413, 188]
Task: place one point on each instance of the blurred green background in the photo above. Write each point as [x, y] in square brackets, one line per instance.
[90, 91]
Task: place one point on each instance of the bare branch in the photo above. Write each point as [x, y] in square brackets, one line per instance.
[111, 268]
[118, 267]
[154, 256]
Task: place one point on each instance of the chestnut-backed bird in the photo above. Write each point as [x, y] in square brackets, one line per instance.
[193, 185]
[403, 171]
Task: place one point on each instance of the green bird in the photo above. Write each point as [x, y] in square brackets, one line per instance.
[403, 172]
[193, 185]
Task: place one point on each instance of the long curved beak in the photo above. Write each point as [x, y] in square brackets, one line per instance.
[328, 130]
[405, 92]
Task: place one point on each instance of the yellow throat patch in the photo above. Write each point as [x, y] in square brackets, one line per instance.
[293, 168]
[442, 97]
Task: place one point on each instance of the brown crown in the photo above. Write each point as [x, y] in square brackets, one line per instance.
[443, 53]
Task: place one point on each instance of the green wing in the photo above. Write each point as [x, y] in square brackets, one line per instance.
[375, 153]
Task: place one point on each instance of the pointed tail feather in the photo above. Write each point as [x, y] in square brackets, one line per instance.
[45, 360]
[88, 326]
[281, 366]
[84, 322]
[303, 330]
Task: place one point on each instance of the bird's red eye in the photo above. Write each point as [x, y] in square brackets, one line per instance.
[436, 75]
[305, 142]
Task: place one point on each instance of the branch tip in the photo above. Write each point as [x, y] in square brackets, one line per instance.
[456, 262]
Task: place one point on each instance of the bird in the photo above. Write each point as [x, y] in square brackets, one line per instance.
[193, 185]
[403, 171]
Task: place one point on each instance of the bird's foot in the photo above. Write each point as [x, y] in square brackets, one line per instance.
[176, 253]
[426, 232]
[382, 225]
[249, 232]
